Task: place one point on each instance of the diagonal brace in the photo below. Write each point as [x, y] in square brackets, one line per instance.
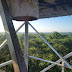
[45, 60]
[5, 41]
[58, 61]
[51, 47]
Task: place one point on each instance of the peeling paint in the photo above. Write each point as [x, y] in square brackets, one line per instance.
[65, 7]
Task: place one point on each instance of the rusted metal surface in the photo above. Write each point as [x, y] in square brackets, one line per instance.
[24, 10]
[54, 8]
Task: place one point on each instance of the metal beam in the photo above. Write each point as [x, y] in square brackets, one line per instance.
[63, 66]
[26, 43]
[51, 47]
[3, 44]
[5, 41]
[45, 60]
[58, 61]
[6, 63]
[47, 68]
[20, 27]
[13, 43]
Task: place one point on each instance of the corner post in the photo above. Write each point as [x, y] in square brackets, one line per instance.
[13, 43]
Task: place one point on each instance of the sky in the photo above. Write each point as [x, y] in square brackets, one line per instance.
[59, 24]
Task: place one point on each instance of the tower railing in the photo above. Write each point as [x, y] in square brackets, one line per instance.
[62, 59]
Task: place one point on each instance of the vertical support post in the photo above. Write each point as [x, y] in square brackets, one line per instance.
[26, 43]
[63, 66]
[13, 43]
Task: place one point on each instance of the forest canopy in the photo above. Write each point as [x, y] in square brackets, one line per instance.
[62, 42]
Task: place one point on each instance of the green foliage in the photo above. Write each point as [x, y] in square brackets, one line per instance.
[38, 48]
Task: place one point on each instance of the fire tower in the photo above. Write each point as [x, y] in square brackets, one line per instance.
[29, 10]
